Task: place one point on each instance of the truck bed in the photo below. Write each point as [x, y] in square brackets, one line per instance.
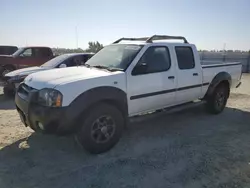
[219, 63]
[211, 69]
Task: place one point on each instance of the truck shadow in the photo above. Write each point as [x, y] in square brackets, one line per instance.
[6, 103]
[50, 161]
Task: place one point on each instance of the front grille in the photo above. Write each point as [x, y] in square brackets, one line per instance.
[24, 90]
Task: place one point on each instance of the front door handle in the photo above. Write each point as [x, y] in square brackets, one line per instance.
[195, 74]
[171, 77]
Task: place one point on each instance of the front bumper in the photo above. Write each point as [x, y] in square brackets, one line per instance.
[42, 118]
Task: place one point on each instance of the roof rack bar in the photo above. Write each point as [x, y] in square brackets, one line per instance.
[131, 39]
[154, 37]
[165, 37]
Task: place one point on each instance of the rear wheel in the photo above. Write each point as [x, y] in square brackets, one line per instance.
[218, 100]
[101, 128]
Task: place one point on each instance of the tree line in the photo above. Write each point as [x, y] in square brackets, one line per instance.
[96, 46]
[93, 47]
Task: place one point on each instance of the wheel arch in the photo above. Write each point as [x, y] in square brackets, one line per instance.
[104, 94]
[3, 68]
[222, 77]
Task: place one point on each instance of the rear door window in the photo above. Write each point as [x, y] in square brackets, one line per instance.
[185, 57]
[86, 58]
[27, 53]
[41, 52]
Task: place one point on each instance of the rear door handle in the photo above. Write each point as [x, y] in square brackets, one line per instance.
[195, 74]
[171, 77]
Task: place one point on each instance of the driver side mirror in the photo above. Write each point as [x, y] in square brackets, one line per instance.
[62, 65]
[140, 69]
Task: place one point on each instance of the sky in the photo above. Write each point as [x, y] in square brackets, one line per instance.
[211, 24]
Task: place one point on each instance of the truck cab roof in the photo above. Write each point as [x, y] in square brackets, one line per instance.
[155, 43]
[155, 39]
[34, 47]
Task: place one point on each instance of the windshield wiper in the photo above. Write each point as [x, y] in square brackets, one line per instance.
[108, 68]
[100, 67]
[114, 69]
[104, 67]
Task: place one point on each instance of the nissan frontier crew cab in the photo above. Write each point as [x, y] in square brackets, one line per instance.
[130, 77]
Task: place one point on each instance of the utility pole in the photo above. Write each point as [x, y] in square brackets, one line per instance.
[224, 47]
[76, 35]
[224, 52]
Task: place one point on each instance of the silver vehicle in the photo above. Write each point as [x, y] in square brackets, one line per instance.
[13, 79]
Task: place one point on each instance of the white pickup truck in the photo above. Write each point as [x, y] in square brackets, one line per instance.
[122, 80]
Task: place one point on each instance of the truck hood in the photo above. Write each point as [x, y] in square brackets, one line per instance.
[52, 78]
[25, 71]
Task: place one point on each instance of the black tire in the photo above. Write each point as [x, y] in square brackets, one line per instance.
[93, 135]
[6, 70]
[8, 92]
[1, 71]
[218, 100]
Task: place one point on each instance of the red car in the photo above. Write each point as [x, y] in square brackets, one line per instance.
[24, 57]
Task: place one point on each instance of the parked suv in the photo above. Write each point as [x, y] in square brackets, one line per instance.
[24, 57]
[122, 80]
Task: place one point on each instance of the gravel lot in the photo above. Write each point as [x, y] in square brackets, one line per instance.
[189, 148]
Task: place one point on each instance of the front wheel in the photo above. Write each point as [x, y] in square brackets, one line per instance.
[101, 128]
[6, 70]
[9, 92]
[218, 100]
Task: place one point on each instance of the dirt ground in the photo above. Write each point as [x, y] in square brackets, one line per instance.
[189, 148]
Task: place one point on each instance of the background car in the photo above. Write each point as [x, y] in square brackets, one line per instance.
[25, 57]
[12, 79]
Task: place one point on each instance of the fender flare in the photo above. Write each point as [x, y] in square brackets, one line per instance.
[220, 77]
[80, 105]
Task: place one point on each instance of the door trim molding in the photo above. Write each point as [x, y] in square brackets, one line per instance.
[166, 91]
[221, 65]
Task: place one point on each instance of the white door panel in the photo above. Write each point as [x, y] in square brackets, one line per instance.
[189, 85]
[152, 90]
[189, 75]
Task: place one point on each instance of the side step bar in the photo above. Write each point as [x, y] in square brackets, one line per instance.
[165, 111]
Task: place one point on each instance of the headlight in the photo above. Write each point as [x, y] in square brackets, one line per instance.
[18, 78]
[50, 97]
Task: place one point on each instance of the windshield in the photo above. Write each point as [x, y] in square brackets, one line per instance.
[117, 56]
[55, 61]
